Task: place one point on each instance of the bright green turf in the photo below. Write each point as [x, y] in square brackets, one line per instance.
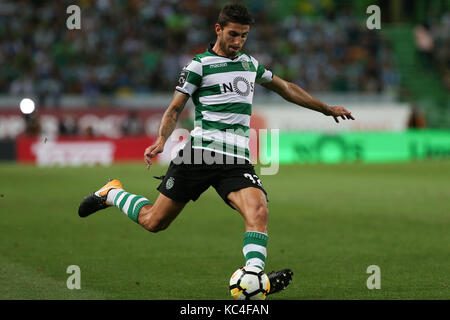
[327, 222]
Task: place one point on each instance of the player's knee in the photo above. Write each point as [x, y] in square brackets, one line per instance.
[148, 220]
[155, 225]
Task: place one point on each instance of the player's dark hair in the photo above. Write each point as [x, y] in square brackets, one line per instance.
[235, 13]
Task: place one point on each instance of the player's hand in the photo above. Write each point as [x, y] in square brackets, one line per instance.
[337, 112]
[153, 150]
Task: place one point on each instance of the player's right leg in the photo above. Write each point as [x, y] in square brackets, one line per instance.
[153, 217]
[252, 204]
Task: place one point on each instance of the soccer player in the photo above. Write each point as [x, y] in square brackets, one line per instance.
[220, 82]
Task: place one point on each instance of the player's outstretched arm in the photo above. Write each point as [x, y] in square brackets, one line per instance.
[168, 123]
[293, 93]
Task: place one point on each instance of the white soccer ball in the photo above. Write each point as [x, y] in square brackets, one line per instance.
[249, 283]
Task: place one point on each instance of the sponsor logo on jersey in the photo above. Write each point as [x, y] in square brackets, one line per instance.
[218, 65]
[240, 85]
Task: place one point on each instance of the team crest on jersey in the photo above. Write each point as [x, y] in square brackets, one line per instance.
[170, 182]
[245, 65]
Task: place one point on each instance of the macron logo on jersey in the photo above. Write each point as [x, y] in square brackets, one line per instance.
[218, 65]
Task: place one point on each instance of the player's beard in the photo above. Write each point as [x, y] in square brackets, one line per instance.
[225, 49]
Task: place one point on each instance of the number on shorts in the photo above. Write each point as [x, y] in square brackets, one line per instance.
[252, 178]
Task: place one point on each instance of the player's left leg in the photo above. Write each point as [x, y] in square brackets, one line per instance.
[159, 216]
[153, 217]
[113, 194]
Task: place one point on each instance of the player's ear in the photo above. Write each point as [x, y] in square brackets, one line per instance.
[218, 29]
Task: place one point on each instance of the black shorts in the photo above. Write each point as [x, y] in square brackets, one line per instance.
[187, 181]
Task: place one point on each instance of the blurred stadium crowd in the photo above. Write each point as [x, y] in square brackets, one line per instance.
[133, 47]
[433, 46]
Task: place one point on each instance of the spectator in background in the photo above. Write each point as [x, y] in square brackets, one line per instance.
[132, 124]
[32, 125]
[424, 44]
[49, 90]
[416, 119]
[90, 88]
[88, 132]
[68, 126]
[440, 31]
[23, 86]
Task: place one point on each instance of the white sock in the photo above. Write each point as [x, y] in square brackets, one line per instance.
[112, 195]
[128, 203]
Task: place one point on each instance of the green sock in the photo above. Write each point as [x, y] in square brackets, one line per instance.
[255, 249]
[128, 203]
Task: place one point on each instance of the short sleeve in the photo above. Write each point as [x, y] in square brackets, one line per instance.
[263, 75]
[190, 77]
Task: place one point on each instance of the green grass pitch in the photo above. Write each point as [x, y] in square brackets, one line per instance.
[327, 222]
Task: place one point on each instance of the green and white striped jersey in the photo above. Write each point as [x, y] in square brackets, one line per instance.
[222, 92]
